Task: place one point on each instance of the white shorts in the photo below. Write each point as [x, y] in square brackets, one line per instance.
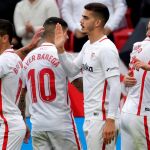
[12, 140]
[93, 128]
[58, 140]
[135, 132]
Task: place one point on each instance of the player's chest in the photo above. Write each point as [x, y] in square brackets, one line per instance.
[91, 60]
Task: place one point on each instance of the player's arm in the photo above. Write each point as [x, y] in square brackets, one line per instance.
[34, 42]
[22, 107]
[22, 103]
[112, 75]
[72, 68]
[109, 130]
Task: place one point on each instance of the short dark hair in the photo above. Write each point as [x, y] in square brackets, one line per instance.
[100, 9]
[54, 21]
[6, 28]
[50, 23]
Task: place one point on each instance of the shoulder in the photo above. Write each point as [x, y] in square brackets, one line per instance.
[21, 4]
[107, 46]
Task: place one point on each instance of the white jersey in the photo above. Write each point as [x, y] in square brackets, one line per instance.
[10, 88]
[97, 67]
[46, 83]
[138, 99]
[98, 61]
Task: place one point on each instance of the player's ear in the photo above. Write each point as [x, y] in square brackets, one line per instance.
[98, 22]
[5, 38]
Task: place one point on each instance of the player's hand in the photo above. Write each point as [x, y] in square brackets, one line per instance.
[109, 131]
[36, 38]
[27, 135]
[60, 38]
[140, 64]
[129, 80]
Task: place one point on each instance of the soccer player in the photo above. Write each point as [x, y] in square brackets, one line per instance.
[135, 117]
[99, 61]
[12, 125]
[46, 81]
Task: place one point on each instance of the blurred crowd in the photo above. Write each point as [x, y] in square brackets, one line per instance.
[29, 15]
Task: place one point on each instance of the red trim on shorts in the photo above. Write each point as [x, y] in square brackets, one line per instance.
[19, 90]
[103, 147]
[141, 93]
[75, 133]
[103, 100]
[146, 132]
[103, 39]
[5, 141]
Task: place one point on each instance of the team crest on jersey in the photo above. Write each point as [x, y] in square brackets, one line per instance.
[92, 55]
[138, 48]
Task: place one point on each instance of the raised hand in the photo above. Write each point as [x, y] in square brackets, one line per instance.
[36, 38]
[60, 38]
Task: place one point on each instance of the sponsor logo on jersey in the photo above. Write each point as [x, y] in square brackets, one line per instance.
[110, 69]
[87, 68]
[147, 109]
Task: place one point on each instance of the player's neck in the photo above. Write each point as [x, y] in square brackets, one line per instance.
[95, 36]
[49, 40]
[4, 47]
[32, 1]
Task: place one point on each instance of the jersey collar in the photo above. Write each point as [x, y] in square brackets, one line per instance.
[47, 44]
[9, 50]
[103, 38]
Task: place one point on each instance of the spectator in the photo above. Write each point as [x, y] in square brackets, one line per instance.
[6, 12]
[29, 15]
[72, 11]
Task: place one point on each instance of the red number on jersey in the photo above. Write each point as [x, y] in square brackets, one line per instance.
[46, 72]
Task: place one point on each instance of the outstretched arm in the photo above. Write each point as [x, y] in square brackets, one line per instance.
[34, 42]
[72, 68]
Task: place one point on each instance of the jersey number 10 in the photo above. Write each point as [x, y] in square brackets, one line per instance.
[41, 85]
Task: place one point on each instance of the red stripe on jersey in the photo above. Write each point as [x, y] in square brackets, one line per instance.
[75, 133]
[103, 39]
[103, 147]
[19, 90]
[103, 100]
[141, 92]
[5, 141]
[146, 132]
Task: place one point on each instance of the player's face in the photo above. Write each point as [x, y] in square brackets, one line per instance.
[88, 22]
[148, 30]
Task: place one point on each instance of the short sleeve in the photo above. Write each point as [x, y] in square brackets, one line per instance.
[4, 66]
[110, 62]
